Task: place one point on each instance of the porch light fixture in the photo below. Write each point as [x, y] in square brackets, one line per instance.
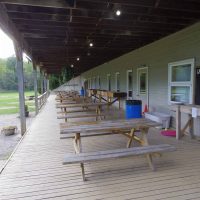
[118, 12]
[72, 65]
[91, 44]
[78, 59]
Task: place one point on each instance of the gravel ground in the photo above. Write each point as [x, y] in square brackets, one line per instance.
[8, 143]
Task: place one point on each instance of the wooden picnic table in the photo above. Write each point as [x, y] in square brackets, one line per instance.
[124, 127]
[107, 96]
[127, 128]
[85, 107]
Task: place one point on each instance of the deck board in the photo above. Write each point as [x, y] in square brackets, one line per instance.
[36, 172]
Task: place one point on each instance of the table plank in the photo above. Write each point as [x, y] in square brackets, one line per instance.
[110, 125]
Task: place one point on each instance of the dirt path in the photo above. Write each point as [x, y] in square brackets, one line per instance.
[8, 143]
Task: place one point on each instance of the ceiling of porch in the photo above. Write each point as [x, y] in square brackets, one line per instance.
[59, 32]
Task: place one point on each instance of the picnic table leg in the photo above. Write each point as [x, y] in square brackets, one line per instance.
[132, 134]
[78, 149]
[98, 112]
[99, 98]
[144, 132]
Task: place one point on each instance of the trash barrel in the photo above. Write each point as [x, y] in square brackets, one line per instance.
[133, 109]
[82, 92]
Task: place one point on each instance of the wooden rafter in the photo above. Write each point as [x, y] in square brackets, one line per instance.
[58, 31]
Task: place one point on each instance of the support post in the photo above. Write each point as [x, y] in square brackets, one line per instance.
[20, 76]
[45, 83]
[178, 122]
[35, 87]
[48, 84]
[42, 82]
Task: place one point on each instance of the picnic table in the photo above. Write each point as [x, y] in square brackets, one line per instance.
[127, 128]
[85, 108]
[111, 126]
[84, 105]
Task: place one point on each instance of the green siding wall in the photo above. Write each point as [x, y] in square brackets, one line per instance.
[179, 46]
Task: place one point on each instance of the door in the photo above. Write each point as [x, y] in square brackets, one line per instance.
[197, 89]
[117, 82]
[129, 78]
[143, 86]
[108, 82]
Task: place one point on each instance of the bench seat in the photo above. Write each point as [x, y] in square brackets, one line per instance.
[116, 153]
[76, 111]
[66, 116]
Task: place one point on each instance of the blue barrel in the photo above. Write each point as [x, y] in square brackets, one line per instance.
[82, 92]
[133, 109]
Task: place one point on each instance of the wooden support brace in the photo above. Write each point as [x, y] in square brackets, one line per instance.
[144, 131]
[131, 137]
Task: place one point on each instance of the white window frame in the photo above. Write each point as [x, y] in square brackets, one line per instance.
[108, 77]
[117, 87]
[189, 84]
[138, 80]
[127, 84]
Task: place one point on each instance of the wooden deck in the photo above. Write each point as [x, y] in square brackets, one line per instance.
[36, 171]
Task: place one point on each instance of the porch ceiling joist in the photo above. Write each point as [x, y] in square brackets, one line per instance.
[59, 31]
[43, 3]
[9, 28]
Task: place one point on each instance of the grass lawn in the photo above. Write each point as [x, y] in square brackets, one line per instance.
[9, 102]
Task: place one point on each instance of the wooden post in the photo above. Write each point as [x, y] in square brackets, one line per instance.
[20, 76]
[178, 122]
[42, 81]
[191, 127]
[48, 84]
[45, 83]
[35, 87]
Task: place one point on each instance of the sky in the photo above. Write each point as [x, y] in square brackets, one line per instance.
[6, 46]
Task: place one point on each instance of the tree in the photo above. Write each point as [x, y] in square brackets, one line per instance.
[8, 75]
[57, 80]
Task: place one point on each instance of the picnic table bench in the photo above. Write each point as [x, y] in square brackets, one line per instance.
[116, 153]
[87, 115]
[85, 106]
[127, 128]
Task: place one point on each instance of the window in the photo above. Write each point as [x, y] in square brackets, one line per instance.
[142, 74]
[109, 82]
[180, 81]
[129, 84]
[117, 81]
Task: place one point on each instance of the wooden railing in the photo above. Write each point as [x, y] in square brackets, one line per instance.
[42, 99]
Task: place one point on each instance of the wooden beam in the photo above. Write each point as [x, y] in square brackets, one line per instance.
[20, 75]
[178, 122]
[43, 3]
[35, 87]
[9, 28]
[42, 81]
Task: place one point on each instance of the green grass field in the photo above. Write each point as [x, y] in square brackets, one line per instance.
[9, 102]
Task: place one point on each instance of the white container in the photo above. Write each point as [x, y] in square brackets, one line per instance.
[162, 118]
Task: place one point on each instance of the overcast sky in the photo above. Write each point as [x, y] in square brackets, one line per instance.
[6, 45]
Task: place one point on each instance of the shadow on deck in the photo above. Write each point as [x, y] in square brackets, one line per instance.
[36, 172]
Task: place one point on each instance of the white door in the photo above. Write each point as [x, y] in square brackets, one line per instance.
[117, 82]
[143, 86]
[129, 78]
[108, 82]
